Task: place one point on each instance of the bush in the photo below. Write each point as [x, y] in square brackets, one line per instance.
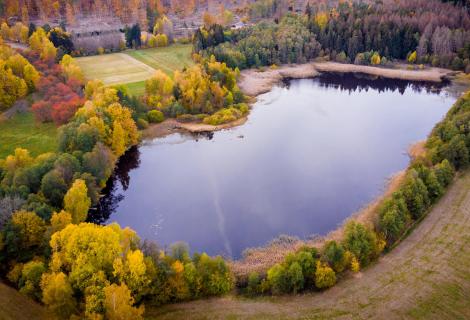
[277, 279]
[325, 277]
[362, 242]
[155, 116]
[295, 278]
[393, 218]
[142, 123]
[444, 172]
[415, 194]
[254, 284]
[334, 255]
[223, 116]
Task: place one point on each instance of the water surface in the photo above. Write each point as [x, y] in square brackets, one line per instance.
[313, 152]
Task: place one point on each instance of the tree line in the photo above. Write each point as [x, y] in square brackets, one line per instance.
[428, 32]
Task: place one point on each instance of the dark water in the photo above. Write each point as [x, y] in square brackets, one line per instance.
[312, 153]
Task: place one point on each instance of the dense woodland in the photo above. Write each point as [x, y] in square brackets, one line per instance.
[49, 251]
[428, 32]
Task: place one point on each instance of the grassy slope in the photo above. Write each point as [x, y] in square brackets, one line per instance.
[15, 306]
[426, 277]
[22, 131]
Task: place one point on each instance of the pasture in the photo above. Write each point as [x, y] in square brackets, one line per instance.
[22, 131]
[167, 59]
[115, 68]
[133, 67]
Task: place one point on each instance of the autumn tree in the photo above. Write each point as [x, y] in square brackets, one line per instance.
[57, 294]
[77, 202]
[119, 303]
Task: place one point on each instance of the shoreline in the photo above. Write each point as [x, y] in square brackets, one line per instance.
[260, 259]
[254, 82]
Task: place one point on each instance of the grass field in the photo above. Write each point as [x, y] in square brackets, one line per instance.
[426, 277]
[132, 68]
[167, 59]
[22, 131]
[114, 68]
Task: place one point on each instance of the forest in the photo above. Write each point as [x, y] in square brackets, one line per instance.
[50, 251]
[422, 32]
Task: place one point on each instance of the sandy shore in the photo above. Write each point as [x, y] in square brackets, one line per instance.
[428, 74]
[254, 82]
[170, 126]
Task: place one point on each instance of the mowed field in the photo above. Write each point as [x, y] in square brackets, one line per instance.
[132, 68]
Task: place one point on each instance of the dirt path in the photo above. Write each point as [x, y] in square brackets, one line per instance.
[426, 277]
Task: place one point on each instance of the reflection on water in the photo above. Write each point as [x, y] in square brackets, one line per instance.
[312, 152]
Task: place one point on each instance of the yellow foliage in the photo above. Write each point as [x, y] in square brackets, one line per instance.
[355, 265]
[31, 227]
[57, 294]
[321, 19]
[325, 276]
[77, 202]
[375, 59]
[119, 303]
[60, 220]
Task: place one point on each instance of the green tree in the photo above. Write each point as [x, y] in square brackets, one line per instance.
[361, 241]
[334, 255]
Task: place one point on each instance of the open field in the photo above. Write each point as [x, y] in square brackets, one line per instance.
[114, 68]
[132, 68]
[167, 59]
[22, 131]
[426, 277]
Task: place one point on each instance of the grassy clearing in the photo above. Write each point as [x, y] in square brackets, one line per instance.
[133, 67]
[426, 277]
[167, 59]
[114, 68]
[136, 88]
[23, 131]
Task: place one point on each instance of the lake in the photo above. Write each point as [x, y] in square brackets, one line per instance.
[312, 152]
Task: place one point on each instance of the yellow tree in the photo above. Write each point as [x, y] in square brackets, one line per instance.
[30, 226]
[77, 202]
[132, 271]
[60, 220]
[119, 142]
[119, 303]
[57, 294]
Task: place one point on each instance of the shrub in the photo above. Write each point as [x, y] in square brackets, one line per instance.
[393, 217]
[278, 279]
[361, 241]
[325, 277]
[295, 278]
[223, 116]
[334, 255]
[155, 116]
[444, 172]
[254, 284]
[415, 194]
[142, 123]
